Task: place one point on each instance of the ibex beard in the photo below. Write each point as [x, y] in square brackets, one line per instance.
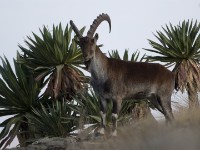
[116, 80]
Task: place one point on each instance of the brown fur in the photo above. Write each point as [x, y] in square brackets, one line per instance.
[116, 80]
[113, 78]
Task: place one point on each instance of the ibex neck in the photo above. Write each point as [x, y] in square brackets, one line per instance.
[99, 64]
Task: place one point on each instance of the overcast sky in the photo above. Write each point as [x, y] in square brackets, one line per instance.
[133, 21]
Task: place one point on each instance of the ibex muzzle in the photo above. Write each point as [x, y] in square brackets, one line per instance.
[116, 80]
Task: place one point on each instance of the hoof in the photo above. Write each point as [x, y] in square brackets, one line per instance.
[114, 133]
[101, 131]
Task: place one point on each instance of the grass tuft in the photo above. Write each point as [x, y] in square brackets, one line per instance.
[182, 134]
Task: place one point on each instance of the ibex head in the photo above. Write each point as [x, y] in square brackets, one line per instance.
[88, 43]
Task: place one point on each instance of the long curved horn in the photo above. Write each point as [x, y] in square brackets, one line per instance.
[97, 22]
[75, 29]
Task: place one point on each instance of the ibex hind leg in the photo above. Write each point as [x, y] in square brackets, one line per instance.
[166, 107]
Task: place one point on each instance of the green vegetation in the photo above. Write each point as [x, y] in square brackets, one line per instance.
[51, 64]
[18, 94]
[55, 59]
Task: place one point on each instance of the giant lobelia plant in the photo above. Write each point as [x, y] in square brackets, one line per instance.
[179, 46]
[55, 59]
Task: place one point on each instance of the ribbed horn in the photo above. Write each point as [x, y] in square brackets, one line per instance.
[75, 29]
[97, 22]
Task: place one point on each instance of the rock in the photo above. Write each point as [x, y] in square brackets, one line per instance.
[55, 143]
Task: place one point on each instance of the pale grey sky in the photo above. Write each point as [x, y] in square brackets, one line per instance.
[133, 21]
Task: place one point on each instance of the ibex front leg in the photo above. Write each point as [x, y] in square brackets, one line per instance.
[115, 113]
[103, 108]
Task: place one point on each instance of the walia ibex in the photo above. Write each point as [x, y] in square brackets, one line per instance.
[116, 80]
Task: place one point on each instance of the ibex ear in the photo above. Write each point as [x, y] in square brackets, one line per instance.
[96, 37]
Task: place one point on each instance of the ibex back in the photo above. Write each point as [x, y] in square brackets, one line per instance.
[116, 80]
